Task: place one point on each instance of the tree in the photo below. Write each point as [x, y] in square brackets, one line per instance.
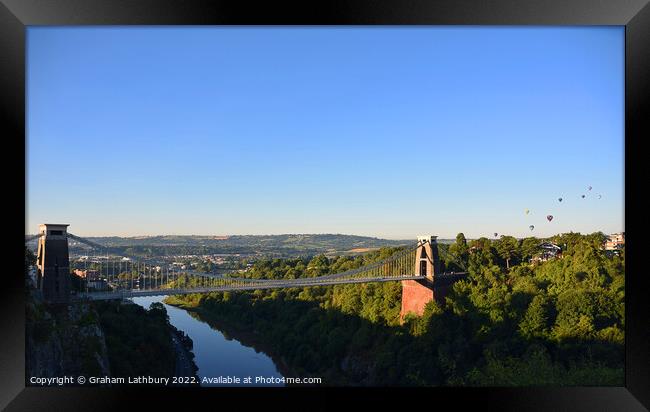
[157, 310]
[529, 247]
[460, 249]
[567, 240]
[596, 239]
[318, 265]
[536, 320]
[508, 248]
[576, 311]
[482, 254]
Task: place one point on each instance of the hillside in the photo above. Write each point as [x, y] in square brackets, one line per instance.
[277, 245]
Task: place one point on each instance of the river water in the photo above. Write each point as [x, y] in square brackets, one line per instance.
[217, 356]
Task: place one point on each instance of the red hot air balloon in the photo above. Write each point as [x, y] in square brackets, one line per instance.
[549, 217]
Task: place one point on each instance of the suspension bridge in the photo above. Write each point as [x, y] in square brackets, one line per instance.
[106, 275]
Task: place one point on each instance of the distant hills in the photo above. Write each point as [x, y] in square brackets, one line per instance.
[283, 245]
[273, 245]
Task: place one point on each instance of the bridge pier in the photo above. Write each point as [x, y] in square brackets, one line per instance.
[52, 263]
[417, 293]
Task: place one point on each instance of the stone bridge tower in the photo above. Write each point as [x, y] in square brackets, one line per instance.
[417, 293]
[52, 263]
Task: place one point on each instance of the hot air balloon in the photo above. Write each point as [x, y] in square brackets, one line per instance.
[583, 196]
[549, 217]
[527, 211]
[599, 196]
[559, 199]
[496, 234]
[531, 227]
[589, 188]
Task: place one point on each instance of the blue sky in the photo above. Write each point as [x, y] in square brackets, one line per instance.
[382, 131]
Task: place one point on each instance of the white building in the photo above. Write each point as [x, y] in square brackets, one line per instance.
[547, 251]
[615, 241]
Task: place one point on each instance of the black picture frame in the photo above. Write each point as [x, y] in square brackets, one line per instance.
[16, 15]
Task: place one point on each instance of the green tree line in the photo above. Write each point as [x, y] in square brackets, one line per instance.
[510, 322]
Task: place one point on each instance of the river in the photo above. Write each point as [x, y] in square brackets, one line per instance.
[215, 354]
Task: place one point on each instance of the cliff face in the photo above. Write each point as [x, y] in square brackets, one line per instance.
[64, 341]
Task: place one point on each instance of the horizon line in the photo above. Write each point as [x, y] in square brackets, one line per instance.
[324, 234]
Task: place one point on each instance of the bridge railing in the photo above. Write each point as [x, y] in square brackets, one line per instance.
[400, 262]
[137, 276]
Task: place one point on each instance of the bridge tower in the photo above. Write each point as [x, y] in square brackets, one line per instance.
[417, 293]
[52, 263]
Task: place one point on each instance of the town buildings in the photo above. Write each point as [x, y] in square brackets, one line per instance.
[615, 241]
[547, 251]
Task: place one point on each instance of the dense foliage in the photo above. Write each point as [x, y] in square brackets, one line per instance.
[558, 322]
[138, 340]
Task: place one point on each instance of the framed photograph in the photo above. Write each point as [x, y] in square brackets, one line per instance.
[362, 204]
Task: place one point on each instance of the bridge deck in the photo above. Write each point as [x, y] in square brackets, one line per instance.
[254, 285]
[133, 293]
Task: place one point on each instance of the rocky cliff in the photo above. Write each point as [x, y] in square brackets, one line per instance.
[63, 341]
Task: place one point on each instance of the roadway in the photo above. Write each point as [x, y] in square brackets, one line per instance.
[254, 284]
[250, 285]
